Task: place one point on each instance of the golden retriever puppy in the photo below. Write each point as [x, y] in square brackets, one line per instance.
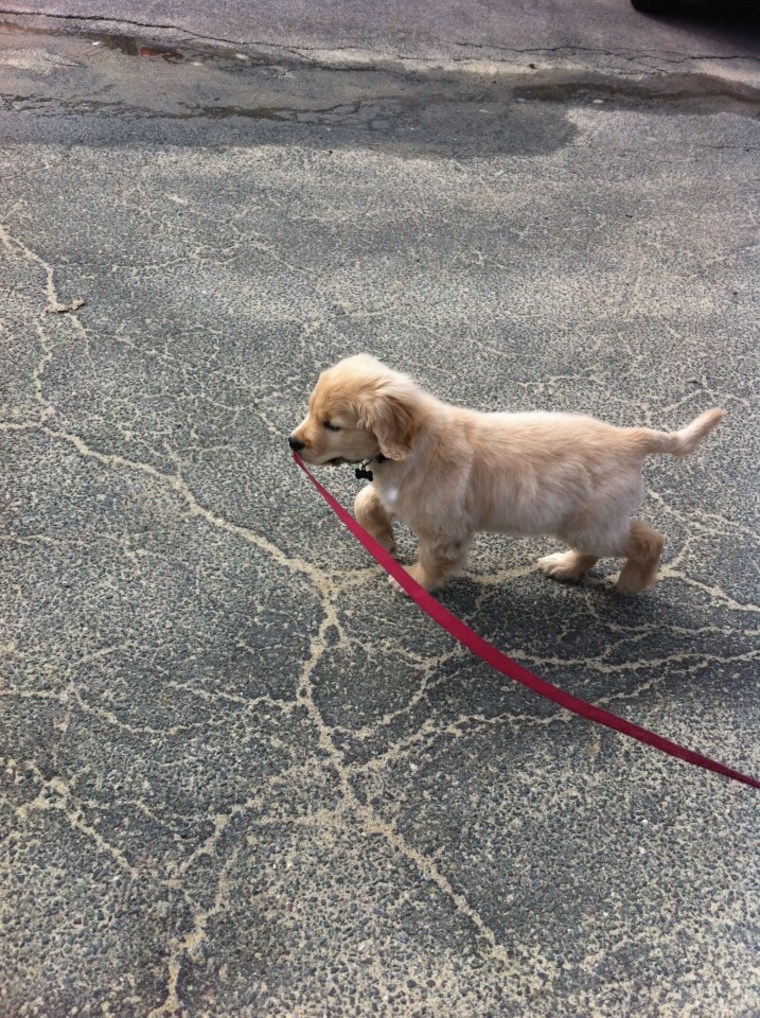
[448, 472]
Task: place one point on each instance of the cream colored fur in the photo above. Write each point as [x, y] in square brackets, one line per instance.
[450, 472]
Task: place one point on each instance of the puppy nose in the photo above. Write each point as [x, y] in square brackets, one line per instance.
[295, 444]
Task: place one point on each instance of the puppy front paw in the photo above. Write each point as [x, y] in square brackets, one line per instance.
[555, 566]
[568, 565]
[397, 586]
[417, 573]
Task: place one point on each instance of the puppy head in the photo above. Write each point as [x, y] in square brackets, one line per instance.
[358, 409]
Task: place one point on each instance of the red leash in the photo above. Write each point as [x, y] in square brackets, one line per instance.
[507, 666]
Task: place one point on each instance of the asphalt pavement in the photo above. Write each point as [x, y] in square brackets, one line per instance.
[240, 776]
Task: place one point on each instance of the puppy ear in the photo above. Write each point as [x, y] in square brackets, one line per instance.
[392, 417]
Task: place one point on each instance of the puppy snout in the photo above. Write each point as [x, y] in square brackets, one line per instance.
[296, 444]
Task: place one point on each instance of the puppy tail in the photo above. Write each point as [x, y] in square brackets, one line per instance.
[681, 443]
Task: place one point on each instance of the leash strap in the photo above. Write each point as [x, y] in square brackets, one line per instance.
[496, 659]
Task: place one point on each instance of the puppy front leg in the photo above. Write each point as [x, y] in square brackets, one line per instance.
[374, 517]
[440, 557]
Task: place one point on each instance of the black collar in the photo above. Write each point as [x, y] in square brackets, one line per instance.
[363, 469]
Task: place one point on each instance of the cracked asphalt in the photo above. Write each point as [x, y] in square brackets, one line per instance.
[239, 775]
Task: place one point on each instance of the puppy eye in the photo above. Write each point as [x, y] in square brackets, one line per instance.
[331, 427]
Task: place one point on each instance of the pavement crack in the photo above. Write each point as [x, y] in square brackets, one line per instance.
[56, 794]
[18, 249]
[371, 822]
[48, 16]
[185, 948]
[177, 484]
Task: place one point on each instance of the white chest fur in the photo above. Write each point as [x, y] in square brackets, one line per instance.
[390, 496]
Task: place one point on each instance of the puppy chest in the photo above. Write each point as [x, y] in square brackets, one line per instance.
[390, 497]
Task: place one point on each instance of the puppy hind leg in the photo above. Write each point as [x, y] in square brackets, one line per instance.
[643, 549]
[374, 517]
[569, 565]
